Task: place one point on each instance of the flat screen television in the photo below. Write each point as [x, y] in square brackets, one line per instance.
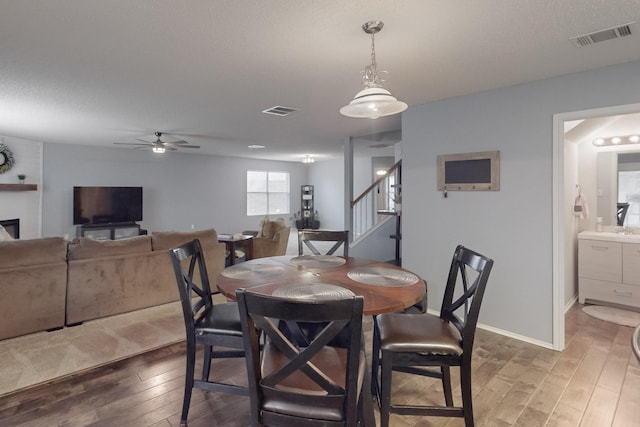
[107, 205]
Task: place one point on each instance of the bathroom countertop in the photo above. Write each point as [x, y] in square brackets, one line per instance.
[608, 236]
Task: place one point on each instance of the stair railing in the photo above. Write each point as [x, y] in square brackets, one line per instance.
[380, 199]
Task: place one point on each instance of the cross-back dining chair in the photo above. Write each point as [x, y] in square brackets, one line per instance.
[307, 237]
[418, 343]
[295, 384]
[212, 325]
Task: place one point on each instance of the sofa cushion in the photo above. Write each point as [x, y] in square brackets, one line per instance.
[30, 252]
[261, 226]
[86, 248]
[165, 240]
[272, 227]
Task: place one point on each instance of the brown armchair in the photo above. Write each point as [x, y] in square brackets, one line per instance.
[271, 239]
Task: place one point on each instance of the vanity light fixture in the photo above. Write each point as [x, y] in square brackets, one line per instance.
[308, 159]
[616, 140]
[373, 101]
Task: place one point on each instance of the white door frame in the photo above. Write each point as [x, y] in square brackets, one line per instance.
[559, 205]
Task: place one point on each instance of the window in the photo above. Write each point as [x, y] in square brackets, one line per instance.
[267, 193]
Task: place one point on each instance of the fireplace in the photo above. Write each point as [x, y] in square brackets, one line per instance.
[12, 226]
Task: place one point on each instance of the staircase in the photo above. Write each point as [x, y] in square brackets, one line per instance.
[377, 205]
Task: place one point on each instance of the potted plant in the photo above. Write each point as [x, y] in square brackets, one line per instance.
[297, 220]
[21, 178]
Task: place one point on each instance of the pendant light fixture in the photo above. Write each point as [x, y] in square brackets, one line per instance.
[374, 101]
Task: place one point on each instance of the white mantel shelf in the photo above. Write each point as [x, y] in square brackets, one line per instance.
[18, 187]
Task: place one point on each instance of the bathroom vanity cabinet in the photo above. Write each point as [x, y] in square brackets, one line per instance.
[609, 268]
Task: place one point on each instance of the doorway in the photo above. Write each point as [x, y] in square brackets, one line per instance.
[564, 259]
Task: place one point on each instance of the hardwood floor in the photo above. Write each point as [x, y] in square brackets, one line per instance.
[594, 382]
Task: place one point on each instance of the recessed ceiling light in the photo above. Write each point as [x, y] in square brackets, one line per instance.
[256, 147]
[615, 140]
[634, 138]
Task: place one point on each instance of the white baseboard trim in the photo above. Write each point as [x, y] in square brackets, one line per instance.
[507, 334]
[516, 336]
[570, 303]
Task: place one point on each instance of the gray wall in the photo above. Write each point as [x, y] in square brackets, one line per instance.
[327, 177]
[179, 189]
[513, 225]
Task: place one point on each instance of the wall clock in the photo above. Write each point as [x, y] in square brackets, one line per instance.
[6, 159]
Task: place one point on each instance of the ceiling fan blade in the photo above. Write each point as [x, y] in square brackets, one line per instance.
[189, 146]
[170, 148]
[133, 143]
[178, 142]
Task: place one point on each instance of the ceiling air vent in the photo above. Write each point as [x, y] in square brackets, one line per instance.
[603, 35]
[279, 111]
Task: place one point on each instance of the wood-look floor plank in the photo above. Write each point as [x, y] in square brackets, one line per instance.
[601, 408]
[595, 381]
[628, 410]
[541, 405]
[586, 376]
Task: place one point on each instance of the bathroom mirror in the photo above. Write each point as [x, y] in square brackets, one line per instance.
[619, 188]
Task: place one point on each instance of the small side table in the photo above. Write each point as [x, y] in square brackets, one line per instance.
[233, 241]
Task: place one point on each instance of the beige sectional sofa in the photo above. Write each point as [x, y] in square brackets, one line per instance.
[48, 283]
[33, 283]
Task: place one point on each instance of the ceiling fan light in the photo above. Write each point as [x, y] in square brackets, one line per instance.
[158, 150]
[372, 103]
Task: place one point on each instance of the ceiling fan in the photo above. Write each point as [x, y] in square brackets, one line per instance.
[159, 146]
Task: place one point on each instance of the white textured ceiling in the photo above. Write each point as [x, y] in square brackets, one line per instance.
[105, 71]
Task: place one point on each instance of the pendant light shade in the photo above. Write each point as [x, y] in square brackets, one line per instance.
[374, 101]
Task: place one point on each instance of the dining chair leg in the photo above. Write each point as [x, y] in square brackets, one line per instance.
[385, 389]
[366, 401]
[188, 383]
[206, 363]
[446, 385]
[375, 359]
[467, 402]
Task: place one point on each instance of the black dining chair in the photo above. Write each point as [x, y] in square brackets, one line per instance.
[208, 324]
[315, 383]
[418, 343]
[307, 237]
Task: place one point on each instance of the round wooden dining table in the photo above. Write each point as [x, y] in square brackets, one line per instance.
[385, 287]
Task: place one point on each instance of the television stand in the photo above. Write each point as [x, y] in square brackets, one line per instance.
[110, 231]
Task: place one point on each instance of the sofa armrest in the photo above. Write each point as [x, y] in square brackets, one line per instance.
[275, 246]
